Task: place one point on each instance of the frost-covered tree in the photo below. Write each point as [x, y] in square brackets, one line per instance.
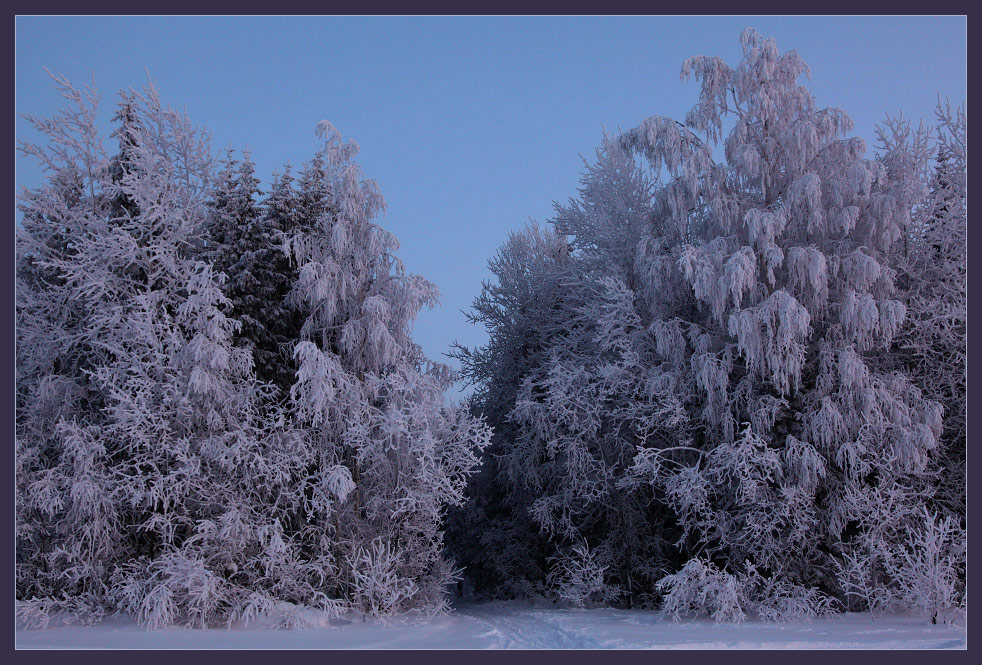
[593, 402]
[805, 451]
[54, 361]
[722, 381]
[390, 454]
[156, 474]
[573, 398]
[933, 269]
[504, 552]
[109, 479]
[244, 241]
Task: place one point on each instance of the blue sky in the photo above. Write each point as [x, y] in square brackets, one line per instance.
[471, 125]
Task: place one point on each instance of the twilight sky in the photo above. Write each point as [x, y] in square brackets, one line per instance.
[471, 125]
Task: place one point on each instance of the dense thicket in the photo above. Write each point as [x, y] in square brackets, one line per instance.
[220, 411]
[733, 386]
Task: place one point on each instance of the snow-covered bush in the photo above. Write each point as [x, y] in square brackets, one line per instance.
[578, 577]
[700, 588]
[930, 569]
[377, 585]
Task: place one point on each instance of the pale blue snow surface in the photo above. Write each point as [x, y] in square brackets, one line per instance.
[516, 625]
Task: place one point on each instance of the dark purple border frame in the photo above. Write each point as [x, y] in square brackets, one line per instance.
[109, 7]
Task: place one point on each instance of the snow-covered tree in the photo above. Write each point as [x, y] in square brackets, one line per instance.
[805, 451]
[933, 269]
[391, 454]
[244, 241]
[722, 380]
[503, 549]
[156, 474]
[106, 480]
[573, 397]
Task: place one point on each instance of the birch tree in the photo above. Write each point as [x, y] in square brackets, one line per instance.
[805, 451]
[391, 455]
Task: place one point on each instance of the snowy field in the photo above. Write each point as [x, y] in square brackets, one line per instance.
[515, 625]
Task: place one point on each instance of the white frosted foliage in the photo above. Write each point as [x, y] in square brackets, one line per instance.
[157, 475]
[703, 403]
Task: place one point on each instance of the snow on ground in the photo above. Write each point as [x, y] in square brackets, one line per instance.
[516, 625]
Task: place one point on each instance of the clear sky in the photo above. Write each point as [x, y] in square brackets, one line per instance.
[471, 125]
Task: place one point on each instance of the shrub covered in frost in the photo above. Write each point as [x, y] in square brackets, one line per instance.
[702, 589]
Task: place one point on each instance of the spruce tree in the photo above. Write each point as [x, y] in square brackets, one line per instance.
[244, 241]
